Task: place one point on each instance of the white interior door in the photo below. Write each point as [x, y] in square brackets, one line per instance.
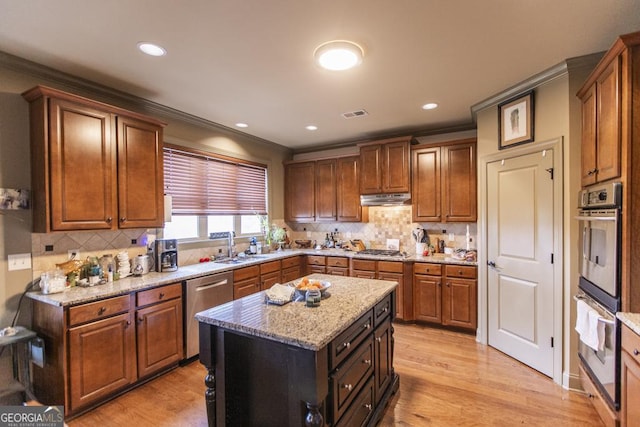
[520, 242]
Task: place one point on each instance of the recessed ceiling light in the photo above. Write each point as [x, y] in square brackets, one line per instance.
[152, 49]
[311, 127]
[430, 106]
[242, 125]
[338, 55]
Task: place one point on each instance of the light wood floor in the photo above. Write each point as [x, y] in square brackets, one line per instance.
[446, 379]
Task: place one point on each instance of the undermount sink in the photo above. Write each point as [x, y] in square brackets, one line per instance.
[238, 260]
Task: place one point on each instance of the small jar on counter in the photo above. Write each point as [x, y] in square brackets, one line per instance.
[313, 297]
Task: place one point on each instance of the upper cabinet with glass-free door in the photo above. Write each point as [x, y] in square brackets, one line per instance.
[93, 166]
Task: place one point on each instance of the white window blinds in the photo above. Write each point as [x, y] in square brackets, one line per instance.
[205, 184]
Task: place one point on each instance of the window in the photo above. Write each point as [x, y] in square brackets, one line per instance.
[211, 193]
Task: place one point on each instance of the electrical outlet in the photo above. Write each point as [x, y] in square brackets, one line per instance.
[308, 234]
[73, 253]
[452, 237]
[19, 262]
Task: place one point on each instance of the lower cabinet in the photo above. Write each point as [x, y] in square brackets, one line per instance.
[362, 367]
[246, 281]
[630, 378]
[97, 349]
[337, 265]
[316, 264]
[291, 268]
[445, 294]
[270, 274]
[384, 270]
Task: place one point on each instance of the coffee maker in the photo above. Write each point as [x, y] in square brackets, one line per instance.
[166, 253]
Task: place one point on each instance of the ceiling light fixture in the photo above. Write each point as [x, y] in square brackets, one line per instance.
[152, 49]
[311, 127]
[242, 125]
[338, 55]
[430, 106]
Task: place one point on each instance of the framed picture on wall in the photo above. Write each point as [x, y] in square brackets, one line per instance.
[515, 121]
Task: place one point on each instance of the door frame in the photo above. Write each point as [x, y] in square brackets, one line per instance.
[557, 145]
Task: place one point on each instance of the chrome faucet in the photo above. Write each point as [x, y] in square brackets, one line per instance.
[232, 243]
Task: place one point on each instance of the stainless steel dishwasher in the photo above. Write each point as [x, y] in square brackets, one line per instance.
[203, 293]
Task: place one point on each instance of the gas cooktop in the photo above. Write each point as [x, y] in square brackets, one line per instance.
[381, 252]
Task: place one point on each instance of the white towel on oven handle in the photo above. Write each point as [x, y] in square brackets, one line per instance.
[589, 326]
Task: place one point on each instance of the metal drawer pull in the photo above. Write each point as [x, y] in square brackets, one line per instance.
[161, 295]
[367, 361]
[347, 344]
[636, 352]
[366, 326]
[347, 386]
[379, 339]
[102, 310]
[368, 406]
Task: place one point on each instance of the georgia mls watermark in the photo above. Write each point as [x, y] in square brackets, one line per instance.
[31, 416]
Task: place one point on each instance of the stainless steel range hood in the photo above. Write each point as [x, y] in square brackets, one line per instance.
[394, 199]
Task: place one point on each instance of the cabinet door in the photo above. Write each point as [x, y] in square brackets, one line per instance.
[102, 359]
[630, 410]
[300, 192]
[459, 199]
[588, 144]
[82, 163]
[459, 303]
[291, 273]
[242, 288]
[608, 126]
[371, 169]
[427, 298]
[159, 333]
[348, 189]
[326, 190]
[383, 359]
[338, 271]
[426, 185]
[395, 167]
[397, 277]
[270, 279]
[140, 174]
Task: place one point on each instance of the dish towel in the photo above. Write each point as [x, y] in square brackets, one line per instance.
[279, 294]
[589, 326]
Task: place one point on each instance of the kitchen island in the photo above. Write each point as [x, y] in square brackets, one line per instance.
[295, 365]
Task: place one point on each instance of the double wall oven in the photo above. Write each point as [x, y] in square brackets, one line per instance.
[599, 286]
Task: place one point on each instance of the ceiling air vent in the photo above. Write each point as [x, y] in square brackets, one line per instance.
[357, 113]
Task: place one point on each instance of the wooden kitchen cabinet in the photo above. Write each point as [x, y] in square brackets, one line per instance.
[291, 268]
[363, 268]
[338, 266]
[93, 166]
[300, 192]
[385, 166]
[159, 328]
[444, 182]
[601, 121]
[445, 294]
[348, 190]
[326, 197]
[630, 378]
[427, 288]
[383, 270]
[246, 281]
[316, 264]
[270, 274]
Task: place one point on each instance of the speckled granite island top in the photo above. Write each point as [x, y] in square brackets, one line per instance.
[296, 324]
[632, 320]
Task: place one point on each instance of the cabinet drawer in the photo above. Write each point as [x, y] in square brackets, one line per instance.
[429, 269]
[382, 310]
[99, 309]
[467, 272]
[343, 345]
[163, 293]
[315, 260]
[349, 379]
[269, 267]
[631, 343]
[360, 410]
[337, 261]
[390, 266]
[363, 264]
[290, 274]
[291, 262]
[338, 271]
[246, 273]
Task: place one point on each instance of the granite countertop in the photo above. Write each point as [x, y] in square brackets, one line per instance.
[632, 320]
[296, 324]
[80, 295]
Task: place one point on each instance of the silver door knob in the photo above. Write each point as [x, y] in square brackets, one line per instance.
[491, 264]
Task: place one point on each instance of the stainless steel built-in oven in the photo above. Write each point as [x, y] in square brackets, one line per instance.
[603, 364]
[599, 217]
[599, 286]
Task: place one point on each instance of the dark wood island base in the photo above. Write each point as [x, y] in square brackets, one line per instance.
[254, 379]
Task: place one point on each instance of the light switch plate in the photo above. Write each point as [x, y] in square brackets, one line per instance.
[19, 262]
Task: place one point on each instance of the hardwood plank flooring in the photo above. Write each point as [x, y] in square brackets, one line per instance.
[446, 379]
